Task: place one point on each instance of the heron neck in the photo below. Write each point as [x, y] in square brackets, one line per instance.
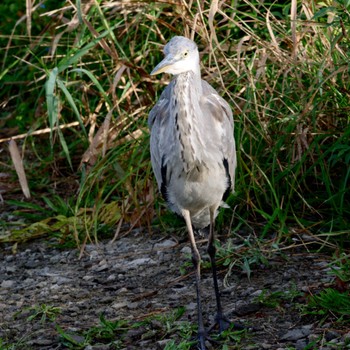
[188, 118]
[190, 80]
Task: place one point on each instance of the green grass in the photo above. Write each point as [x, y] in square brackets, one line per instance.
[330, 304]
[44, 312]
[115, 333]
[106, 332]
[87, 81]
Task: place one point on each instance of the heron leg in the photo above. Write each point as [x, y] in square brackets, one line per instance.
[196, 260]
[222, 321]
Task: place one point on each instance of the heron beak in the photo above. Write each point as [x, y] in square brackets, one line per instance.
[163, 66]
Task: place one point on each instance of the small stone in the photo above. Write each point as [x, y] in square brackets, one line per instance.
[55, 259]
[300, 344]
[77, 338]
[42, 342]
[186, 250]
[7, 284]
[248, 291]
[9, 258]
[88, 277]
[11, 269]
[330, 335]
[247, 308]
[162, 343]
[100, 268]
[28, 281]
[191, 306]
[256, 293]
[141, 261]
[133, 306]
[296, 334]
[32, 264]
[93, 254]
[119, 305]
[165, 244]
[307, 328]
[55, 287]
[111, 278]
[98, 347]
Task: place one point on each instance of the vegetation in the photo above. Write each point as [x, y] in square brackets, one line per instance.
[75, 82]
[76, 91]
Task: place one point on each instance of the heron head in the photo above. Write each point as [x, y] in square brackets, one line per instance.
[181, 55]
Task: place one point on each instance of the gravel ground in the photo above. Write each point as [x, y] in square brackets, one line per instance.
[138, 276]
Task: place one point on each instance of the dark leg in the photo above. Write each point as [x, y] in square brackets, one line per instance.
[220, 318]
[196, 259]
[201, 331]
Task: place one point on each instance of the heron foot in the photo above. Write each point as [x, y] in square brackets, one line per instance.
[202, 338]
[201, 341]
[223, 323]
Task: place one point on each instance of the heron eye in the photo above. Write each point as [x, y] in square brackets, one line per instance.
[185, 54]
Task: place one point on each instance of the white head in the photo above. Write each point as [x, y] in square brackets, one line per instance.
[181, 55]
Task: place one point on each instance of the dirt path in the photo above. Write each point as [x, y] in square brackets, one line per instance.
[139, 276]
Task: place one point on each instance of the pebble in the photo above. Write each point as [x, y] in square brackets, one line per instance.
[111, 278]
[119, 305]
[330, 335]
[10, 269]
[168, 243]
[162, 343]
[133, 306]
[186, 250]
[191, 306]
[243, 308]
[88, 277]
[28, 281]
[138, 262]
[9, 258]
[62, 280]
[296, 334]
[7, 284]
[102, 267]
[256, 293]
[300, 344]
[42, 342]
[55, 287]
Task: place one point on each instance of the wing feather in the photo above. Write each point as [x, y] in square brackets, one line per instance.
[157, 121]
[221, 111]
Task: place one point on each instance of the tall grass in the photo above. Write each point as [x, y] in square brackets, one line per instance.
[284, 68]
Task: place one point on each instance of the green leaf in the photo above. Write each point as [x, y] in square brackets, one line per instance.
[96, 83]
[51, 99]
[71, 103]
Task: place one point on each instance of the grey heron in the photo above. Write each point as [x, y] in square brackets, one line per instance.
[193, 153]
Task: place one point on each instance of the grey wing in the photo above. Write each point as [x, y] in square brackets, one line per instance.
[157, 122]
[222, 113]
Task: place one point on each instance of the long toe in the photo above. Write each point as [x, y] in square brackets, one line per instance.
[202, 340]
[201, 343]
[223, 323]
[202, 337]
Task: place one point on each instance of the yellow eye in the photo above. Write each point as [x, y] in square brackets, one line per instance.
[185, 54]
